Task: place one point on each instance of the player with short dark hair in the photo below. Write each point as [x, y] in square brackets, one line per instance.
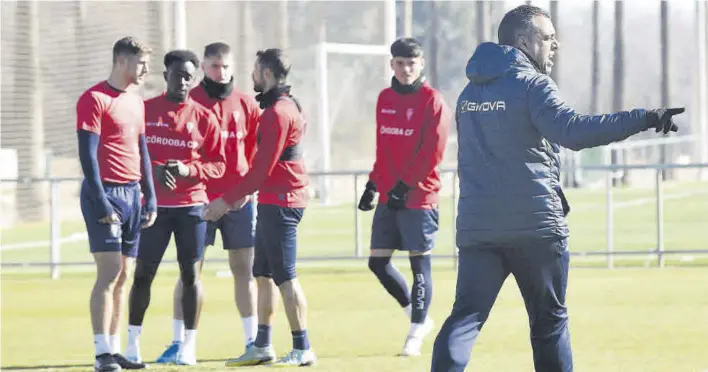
[116, 165]
[412, 125]
[185, 145]
[238, 115]
[278, 173]
[512, 213]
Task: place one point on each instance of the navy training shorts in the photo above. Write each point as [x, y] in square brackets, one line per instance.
[237, 228]
[406, 229]
[276, 242]
[123, 237]
[189, 229]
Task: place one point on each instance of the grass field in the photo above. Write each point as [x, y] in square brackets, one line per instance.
[329, 231]
[630, 319]
[625, 320]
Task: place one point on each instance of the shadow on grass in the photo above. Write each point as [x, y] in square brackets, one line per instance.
[67, 366]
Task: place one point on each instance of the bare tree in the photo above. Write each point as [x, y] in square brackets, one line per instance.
[433, 42]
[30, 154]
[618, 76]
[665, 77]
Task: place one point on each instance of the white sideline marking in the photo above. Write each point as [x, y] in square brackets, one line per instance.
[76, 237]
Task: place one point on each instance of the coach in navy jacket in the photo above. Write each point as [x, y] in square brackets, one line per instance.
[512, 211]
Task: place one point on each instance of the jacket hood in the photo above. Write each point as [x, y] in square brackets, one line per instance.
[491, 61]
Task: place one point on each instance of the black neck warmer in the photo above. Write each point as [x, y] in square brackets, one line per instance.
[407, 89]
[217, 90]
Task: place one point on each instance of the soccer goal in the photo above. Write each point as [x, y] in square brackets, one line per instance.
[324, 50]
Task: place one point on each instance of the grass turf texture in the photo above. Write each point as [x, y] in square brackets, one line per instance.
[621, 320]
[329, 231]
[629, 319]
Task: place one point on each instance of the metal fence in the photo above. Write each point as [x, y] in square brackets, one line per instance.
[610, 171]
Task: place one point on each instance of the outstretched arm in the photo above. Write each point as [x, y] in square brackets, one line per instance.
[559, 123]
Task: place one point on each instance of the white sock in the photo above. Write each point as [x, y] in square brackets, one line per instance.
[115, 343]
[189, 346]
[250, 328]
[415, 329]
[100, 343]
[133, 348]
[408, 309]
[177, 330]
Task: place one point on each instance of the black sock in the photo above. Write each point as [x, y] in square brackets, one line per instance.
[139, 298]
[263, 335]
[300, 340]
[422, 291]
[189, 305]
[190, 298]
[393, 281]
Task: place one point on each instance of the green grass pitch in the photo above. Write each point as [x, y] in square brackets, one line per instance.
[629, 319]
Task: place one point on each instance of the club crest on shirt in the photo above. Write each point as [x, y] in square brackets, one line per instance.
[409, 114]
[190, 127]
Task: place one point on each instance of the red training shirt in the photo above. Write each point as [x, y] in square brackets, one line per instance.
[238, 118]
[281, 183]
[119, 119]
[411, 134]
[188, 132]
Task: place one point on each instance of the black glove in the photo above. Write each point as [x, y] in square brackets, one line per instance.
[397, 196]
[366, 203]
[164, 177]
[177, 168]
[662, 119]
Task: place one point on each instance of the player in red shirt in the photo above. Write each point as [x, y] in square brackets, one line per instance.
[278, 173]
[116, 165]
[185, 145]
[238, 115]
[412, 125]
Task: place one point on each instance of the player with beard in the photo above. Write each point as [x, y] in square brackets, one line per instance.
[278, 173]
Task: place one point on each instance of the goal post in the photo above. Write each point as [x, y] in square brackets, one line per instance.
[324, 49]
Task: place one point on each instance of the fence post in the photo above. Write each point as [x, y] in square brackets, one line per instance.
[357, 220]
[54, 229]
[609, 178]
[454, 224]
[659, 218]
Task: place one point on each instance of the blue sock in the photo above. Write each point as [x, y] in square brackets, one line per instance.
[263, 336]
[422, 291]
[300, 340]
[392, 280]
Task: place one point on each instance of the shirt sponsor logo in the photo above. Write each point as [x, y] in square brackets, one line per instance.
[396, 131]
[159, 125]
[468, 106]
[171, 142]
[225, 134]
[236, 115]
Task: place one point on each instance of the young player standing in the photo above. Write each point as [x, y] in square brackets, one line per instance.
[412, 123]
[238, 115]
[114, 158]
[185, 144]
[278, 173]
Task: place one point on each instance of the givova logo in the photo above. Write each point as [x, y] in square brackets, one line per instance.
[469, 106]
